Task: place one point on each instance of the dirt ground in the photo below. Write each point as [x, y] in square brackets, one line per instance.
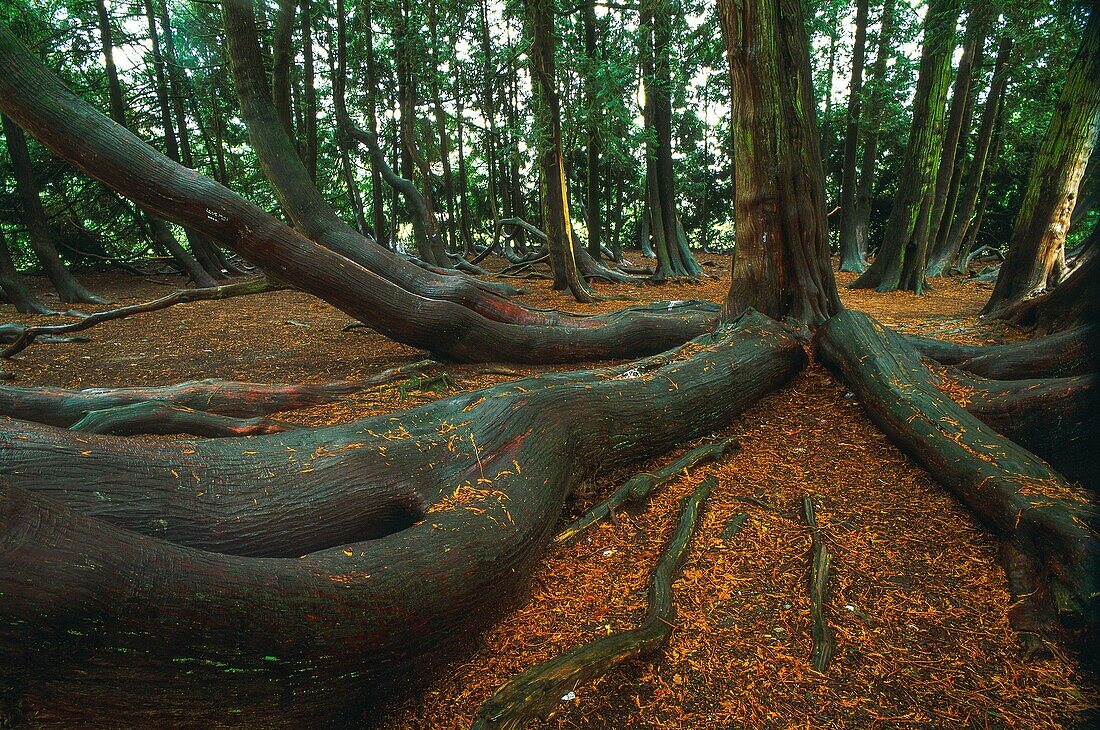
[917, 598]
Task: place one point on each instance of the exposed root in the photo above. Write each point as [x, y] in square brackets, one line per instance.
[534, 693]
[640, 486]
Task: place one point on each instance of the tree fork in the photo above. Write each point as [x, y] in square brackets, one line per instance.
[534, 693]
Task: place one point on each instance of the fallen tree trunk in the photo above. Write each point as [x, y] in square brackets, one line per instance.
[415, 528]
[180, 296]
[446, 315]
[1057, 419]
[1046, 525]
[535, 693]
[64, 407]
[1073, 352]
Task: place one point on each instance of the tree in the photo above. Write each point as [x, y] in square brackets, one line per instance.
[38, 230]
[555, 193]
[949, 248]
[873, 120]
[902, 257]
[1036, 251]
[448, 314]
[851, 255]
[781, 261]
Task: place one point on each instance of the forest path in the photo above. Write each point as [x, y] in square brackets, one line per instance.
[918, 600]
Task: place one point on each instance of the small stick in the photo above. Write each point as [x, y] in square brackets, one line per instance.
[535, 692]
[641, 485]
[824, 640]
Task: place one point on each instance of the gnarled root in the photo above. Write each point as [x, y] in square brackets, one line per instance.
[416, 529]
[1048, 526]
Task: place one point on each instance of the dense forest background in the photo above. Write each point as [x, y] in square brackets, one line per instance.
[452, 76]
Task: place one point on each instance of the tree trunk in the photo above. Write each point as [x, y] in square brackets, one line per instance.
[1039, 233]
[34, 217]
[14, 288]
[200, 248]
[1047, 526]
[851, 256]
[555, 196]
[954, 144]
[398, 566]
[162, 236]
[947, 253]
[448, 315]
[592, 199]
[903, 255]
[781, 261]
[309, 94]
[283, 59]
[876, 102]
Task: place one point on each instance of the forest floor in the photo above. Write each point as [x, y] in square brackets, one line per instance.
[918, 600]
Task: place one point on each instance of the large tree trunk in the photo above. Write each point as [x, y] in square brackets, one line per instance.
[1047, 526]
[851, 256]
[448, 315]
[1039, 233]
[903, 255]
[781, 262]
[399, 564]
[69, 290]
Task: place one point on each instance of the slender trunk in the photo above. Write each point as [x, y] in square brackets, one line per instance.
[14, 288]
[781, 264]
[947, 254]
[161, 234]
[378, 213]
[338, 71]
[873, 124]
[309, 93]
[555, 196]
[283, 59]
[34, 217]
[851, 257]
[592, 199]
[977, 27]
[1039, 233]
[441, 128]
[903, 255]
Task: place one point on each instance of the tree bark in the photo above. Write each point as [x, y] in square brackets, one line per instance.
[69, 290]
[946, 255]
[1047, 526]
[781, 261]
[309, 94]
[448, 315]
[1039, 232]
[14, 288]
[979, 20]
[319, 638]
[851, 256]
[875, 104]
[902, 257]
[555, 195]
